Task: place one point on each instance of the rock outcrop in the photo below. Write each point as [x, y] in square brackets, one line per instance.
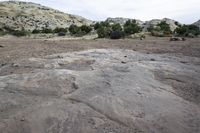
[172, 23]
[122, 21]
[101, 91]
[30, 16]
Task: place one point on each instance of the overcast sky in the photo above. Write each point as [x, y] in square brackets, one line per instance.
[185, 11]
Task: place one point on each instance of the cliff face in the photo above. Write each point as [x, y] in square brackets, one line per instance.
[29, 16]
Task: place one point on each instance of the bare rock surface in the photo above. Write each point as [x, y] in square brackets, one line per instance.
[102, 91]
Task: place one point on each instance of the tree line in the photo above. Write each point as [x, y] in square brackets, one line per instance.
[114, 31]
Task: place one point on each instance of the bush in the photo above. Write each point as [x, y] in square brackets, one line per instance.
[85, 29]
[97, 26]
[19, 33]
[58, 30]
[164, 27]
[117, 35]
[35, 31]
[103, 32]
[116, 27]
[152, 28]
[47, 30]
[79, 31]
[187, 30]
[8, 29]
[131, 27]
[73, 29]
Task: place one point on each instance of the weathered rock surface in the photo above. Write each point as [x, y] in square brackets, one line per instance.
[30, 16]
[122, 21]
[172, 23]
[102, 91]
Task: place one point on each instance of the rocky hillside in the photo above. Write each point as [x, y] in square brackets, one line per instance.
[122, 21]
[173, 24]
[197, 23]
[31, 16]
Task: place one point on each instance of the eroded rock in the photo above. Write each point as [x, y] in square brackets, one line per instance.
[93, 91]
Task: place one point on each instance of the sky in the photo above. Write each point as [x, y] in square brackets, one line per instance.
[184, 11]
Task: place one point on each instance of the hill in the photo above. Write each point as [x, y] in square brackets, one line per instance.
[30, 16]
[146, 24]
[197, 23]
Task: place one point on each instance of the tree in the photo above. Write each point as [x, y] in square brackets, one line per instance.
[131, 27]
[79, 31]
[20, 33]
[58, 30]
[164, 27]
[103, 32]
[97, 26]
[186, 30]
[35, 31]
[116, 27]
[46, 30]
[86, 29]
[73, 29]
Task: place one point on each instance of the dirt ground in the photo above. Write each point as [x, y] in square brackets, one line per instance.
[118, 86]
[18, 48]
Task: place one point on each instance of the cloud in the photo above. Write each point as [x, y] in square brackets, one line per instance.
[186, 11]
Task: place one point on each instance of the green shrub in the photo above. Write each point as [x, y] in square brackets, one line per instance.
[73, 29]
[187, 30]
[20, 33]
[58, 30]
[8, 29]
[85, 29]
[150, 29]
[131, 27]
[2, 32]
[116, 27]
[103, 32]
[97, 26]
[46, 30]
[101, 24]
[35, 31]
[79, 31]
[164, 27]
